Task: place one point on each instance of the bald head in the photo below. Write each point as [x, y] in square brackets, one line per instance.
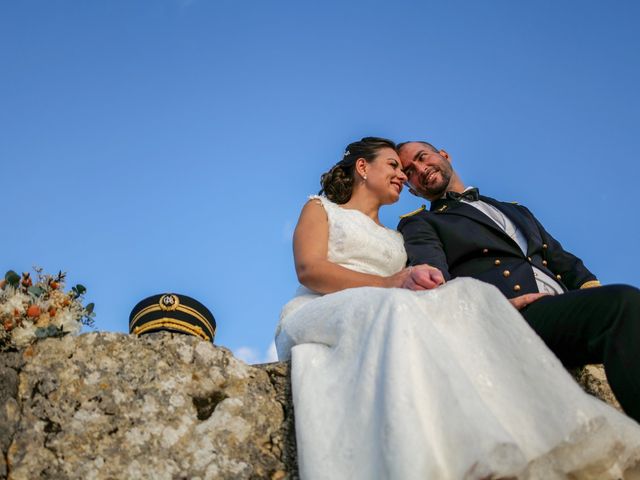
[399, 146]
[428, 170]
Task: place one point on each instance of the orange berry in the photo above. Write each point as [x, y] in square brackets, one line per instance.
[52, 311]
[54, 285]
[8, 325]
[33, 311]
[3, 282]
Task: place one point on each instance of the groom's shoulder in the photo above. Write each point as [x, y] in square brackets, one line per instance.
[423, 208]
[415, 215]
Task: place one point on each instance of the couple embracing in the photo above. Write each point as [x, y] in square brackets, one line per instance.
[452, 367]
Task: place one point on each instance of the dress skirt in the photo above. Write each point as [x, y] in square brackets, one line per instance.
[444, 384]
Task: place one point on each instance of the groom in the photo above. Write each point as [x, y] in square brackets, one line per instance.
[468, 234]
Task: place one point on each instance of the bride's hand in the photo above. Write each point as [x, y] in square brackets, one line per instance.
[420, 277]
[526, 299]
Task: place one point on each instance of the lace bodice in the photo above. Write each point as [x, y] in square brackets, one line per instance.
[358, 243]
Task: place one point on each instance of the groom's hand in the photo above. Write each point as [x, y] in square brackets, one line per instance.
[526, 299]
[423, 277]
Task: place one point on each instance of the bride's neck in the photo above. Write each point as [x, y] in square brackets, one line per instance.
[365, 203]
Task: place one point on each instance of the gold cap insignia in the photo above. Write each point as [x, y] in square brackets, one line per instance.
[169, 302]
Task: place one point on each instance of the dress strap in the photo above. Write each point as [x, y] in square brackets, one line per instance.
[324, 201]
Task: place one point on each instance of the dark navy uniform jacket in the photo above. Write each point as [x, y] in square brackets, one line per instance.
[463, 242]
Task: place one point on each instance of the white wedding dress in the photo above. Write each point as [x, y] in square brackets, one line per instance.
[445, 384]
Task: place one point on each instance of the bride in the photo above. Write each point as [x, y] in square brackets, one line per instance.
[396, 375]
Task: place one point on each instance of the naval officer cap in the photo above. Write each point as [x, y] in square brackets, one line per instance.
[174, 313]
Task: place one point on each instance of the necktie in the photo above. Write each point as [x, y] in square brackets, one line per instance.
[471, 195]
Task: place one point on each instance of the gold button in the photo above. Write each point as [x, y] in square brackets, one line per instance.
[529, 258]
[559, 277]
[516, 288]
[544, 245]
[544, 262]
[485, 250]
[496, 263]
[506, 273]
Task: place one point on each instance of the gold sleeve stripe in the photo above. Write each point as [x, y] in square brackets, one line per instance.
[591, 284]
[172, 323]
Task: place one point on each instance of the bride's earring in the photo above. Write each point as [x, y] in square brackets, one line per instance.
[364, 177]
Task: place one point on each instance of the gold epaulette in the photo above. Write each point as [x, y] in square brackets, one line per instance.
[417, 210]
[590, 284]
[514, 203]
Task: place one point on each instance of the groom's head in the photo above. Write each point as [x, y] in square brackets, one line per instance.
[428, 169]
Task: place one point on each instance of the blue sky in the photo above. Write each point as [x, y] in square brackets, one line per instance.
[168, 145]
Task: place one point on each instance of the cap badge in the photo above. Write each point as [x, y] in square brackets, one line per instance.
[169, 302]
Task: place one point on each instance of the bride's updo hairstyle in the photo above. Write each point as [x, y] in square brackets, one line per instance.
[337, 183]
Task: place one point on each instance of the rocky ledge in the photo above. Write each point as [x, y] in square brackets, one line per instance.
[107, 406]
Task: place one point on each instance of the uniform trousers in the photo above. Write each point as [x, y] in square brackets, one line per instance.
[595, 325]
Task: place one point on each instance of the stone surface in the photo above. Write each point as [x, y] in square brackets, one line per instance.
[594, 381]
[106, 405]
[10, 365]
[281, 380]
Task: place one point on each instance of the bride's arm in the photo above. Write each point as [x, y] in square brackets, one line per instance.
[316, 272]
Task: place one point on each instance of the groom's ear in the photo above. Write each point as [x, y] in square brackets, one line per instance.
[444, 154]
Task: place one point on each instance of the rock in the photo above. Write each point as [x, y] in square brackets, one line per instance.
[106, 405]
[281, 380]
[594, 381]
[10, 364]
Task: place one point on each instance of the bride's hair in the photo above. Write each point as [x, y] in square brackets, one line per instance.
[337, 183]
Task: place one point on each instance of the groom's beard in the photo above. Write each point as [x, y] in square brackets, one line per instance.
[437, 186]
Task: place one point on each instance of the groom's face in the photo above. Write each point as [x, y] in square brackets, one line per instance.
[428, 171]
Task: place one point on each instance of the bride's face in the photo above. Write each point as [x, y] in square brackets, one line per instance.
[385, 177]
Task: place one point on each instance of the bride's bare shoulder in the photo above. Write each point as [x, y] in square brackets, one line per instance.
[316, 206]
